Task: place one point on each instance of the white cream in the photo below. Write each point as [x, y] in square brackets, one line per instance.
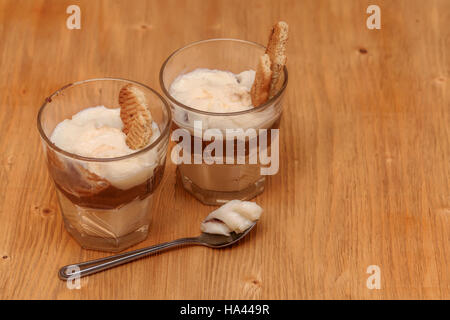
[97, 133]
[218, 91]
[214, 90]
[234, 216]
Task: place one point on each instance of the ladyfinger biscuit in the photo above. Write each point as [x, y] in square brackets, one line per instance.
[261, 85]
[136, 116]
[139, 133]
[276, 49]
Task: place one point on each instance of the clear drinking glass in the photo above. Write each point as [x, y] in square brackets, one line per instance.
[102, 214]
[216, 183]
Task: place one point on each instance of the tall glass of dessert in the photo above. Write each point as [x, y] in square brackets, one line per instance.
[104, 188]
[223, 107]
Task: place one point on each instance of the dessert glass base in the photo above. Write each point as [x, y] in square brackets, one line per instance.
[213, 194]
[110, 230]
[107, 244]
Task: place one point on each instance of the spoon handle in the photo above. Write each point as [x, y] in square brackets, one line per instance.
[79, 270]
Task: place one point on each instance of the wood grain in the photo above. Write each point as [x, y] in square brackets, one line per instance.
[365, 150]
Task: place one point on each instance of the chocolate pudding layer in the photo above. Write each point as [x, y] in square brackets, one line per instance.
[87, 189]
[275, 125]
[112, 197]
[227, 177]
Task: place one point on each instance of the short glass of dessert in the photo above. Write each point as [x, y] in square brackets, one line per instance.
[104, 188]
[207, 84]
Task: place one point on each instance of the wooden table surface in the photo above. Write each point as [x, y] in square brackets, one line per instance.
[365, 150]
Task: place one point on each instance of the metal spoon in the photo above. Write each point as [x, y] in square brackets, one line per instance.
[205, 239]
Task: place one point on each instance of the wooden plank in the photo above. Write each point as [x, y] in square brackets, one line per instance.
[365, 151]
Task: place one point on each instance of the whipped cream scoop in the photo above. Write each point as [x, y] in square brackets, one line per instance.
[220, 92]
[96, 132]
[214, 90]
[234, 216]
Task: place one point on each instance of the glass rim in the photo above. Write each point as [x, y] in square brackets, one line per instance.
[48, 100]
[248, 111]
